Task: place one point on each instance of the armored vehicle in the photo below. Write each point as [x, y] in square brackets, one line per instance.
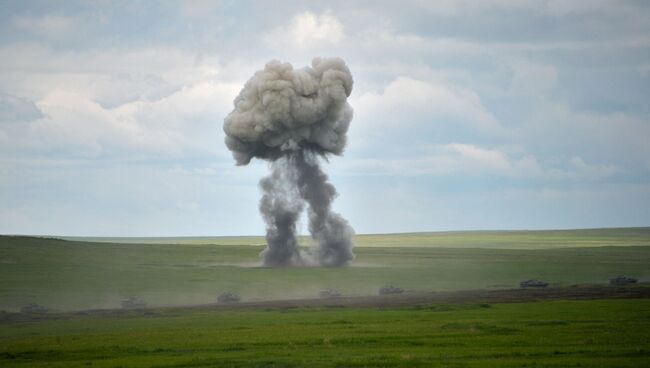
[533, 284]
[133, 303]
[228, 298]
[390, 290]
[329, 293]
[622, 280]
[33, 308]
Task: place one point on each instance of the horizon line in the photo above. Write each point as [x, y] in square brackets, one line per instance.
[360, 234]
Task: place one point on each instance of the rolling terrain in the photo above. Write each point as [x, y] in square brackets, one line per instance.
[74, 275]
[461, 308]
[519, 239]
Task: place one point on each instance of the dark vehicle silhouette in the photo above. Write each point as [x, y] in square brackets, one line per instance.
[388, 290]
[533, 284]
[329, 293]
[33, 308]
[133, 303]
[228, 298]
[622, 280]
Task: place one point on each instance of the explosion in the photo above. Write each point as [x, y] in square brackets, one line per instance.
[293, 119]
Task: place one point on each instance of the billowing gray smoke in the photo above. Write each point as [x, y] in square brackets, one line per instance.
[293, 118]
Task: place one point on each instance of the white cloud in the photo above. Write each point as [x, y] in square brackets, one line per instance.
[406, 102]
[384, 41]
[197, 9]
[554, 128]
[472, 160]
[114, 103]
[74, 125]
[172, 62]
[110, 77]
[15, 109]
[125, 199]
[448, 88]
[307, 30]
[48, 26]
[554, 7]
[449, 159]
[595, 171]
[532, 78]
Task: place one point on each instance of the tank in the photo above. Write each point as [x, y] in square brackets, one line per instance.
[228, 298]
[133, 303]
[533, 284]
[622, 280]
[33, 308]
[329, 293]
[387, 290]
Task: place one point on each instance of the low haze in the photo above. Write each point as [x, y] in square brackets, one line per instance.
[497, 115]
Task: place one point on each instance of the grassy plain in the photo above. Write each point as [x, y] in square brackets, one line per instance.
[72, 275]
[537, 239]
[595, 333]
[77, 275]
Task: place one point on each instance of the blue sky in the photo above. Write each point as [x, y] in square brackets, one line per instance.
[468, 115]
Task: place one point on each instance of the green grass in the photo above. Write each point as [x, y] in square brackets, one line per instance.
[72, 275]
[600, 333]
[68, 275]
[540, 239]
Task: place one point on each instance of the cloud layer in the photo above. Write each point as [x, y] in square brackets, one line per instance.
[468, 115]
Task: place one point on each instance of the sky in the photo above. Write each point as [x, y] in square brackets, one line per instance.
[503, 114]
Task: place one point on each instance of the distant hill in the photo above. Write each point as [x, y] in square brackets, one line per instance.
[80, 274]
[501, 239]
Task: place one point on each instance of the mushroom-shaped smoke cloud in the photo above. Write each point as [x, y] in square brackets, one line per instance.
[291, 118]
[281, 109]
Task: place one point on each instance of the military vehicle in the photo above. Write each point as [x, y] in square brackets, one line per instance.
[329, 293]
[228, 298]
[387, 290]
[33, 308]
[533, 284]
[133, 303]
[622, 280]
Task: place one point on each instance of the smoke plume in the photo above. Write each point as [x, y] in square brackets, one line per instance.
[293, 118]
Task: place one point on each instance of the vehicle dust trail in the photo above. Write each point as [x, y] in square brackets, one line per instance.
[294, 118]
[406, 300]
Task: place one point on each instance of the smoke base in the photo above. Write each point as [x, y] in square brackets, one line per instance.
[296, 181]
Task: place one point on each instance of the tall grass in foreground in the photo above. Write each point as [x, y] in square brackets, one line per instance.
[600, 333]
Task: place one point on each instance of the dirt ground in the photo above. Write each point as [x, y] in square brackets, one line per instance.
[404, 300]
[413, 299]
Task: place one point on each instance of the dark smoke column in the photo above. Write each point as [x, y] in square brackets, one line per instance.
[293, 118]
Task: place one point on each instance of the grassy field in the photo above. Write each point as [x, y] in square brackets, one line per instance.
[542, 239]
[73, 275]
[78, 275]
[597, 333]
